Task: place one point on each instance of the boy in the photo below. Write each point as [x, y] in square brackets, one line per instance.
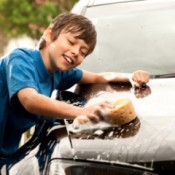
[28, 77]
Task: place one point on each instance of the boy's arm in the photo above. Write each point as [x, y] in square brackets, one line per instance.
[42, 105]
[39, 104]
[105, 77]
[139, 77]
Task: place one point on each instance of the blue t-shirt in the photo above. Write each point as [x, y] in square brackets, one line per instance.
[24, 68]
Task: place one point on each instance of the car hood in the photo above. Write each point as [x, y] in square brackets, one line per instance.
[149, 138]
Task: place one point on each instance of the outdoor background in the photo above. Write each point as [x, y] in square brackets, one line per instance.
[22, 22]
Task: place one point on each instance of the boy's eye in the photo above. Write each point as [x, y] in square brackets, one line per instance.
[71, 42]
[83, 53]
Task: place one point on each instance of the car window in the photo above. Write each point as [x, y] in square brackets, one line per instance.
[133, 35]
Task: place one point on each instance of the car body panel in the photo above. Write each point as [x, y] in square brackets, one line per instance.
[149, 138]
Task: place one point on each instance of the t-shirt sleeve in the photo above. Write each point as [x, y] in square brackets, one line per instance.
[70, 78]
[20, 72]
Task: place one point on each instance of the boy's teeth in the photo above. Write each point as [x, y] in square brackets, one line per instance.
[68, 59]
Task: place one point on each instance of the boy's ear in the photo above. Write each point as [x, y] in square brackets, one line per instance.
[47, 35]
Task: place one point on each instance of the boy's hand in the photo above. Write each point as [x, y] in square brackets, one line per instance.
[139, 78]
[92, 114]
[96, 112]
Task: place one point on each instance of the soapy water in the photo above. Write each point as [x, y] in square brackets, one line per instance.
[104, 130]
[97, 129]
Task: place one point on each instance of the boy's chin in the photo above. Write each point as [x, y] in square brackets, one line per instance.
[64, 68]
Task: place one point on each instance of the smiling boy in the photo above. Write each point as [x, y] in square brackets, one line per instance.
[29, 76]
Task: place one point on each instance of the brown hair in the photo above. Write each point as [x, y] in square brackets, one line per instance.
[73, 23]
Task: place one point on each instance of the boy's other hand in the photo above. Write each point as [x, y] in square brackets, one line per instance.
[140, 78]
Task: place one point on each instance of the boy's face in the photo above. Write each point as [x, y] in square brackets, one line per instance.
[66, 52]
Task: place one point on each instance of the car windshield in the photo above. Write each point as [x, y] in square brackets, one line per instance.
[133, 35]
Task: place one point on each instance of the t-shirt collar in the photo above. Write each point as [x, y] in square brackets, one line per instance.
[41, 68]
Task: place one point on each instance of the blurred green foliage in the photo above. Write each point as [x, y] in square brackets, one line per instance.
[30, 17]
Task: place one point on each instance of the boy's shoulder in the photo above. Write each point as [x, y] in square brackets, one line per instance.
[24, 51]
[18, 54]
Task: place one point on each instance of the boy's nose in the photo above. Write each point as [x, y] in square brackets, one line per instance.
[75, 50]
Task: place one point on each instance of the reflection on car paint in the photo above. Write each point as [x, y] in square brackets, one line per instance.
[111, 132]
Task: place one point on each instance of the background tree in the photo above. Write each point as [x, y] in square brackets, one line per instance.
[30, 17]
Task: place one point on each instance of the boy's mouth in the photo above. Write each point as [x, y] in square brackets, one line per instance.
[68, 59]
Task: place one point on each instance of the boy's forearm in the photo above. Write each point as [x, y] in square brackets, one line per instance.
[137, 78]
[42, 105]
[114, 77]
[55, 109]
[105, 77]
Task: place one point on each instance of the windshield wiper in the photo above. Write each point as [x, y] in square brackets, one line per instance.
[172, 75]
